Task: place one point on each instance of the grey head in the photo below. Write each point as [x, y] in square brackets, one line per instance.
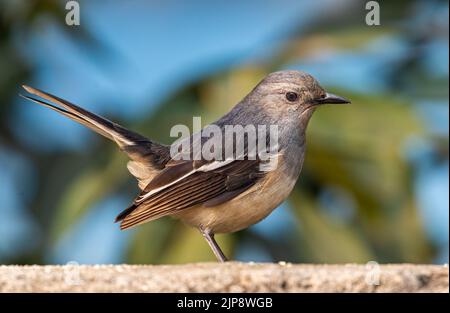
[286, 98]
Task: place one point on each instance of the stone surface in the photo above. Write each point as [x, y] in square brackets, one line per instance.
[228, 277]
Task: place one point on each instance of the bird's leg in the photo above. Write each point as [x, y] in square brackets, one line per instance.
[213, 245]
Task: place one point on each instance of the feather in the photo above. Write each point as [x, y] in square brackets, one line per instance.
[207, 188]
[148, 157]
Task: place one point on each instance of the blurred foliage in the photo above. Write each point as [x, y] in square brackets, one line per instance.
[355, 149]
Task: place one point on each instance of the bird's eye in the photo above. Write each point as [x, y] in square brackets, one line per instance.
[291, 96]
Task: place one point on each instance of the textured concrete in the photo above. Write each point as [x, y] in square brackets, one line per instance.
[229, 277]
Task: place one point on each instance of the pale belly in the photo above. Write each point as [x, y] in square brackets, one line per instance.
[246, 209]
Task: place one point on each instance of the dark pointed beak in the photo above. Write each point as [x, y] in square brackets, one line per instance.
[331, 98]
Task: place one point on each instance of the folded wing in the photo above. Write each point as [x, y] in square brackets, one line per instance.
[188, 186]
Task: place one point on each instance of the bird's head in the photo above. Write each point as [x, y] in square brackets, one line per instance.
[291, 94]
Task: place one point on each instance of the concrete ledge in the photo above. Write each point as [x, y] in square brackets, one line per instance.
[229, 277]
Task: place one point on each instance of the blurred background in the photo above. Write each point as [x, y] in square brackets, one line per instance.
[376, 176]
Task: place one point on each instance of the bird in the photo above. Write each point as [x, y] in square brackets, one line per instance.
[215, 195]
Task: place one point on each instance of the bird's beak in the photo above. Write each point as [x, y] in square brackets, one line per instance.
[331, 98]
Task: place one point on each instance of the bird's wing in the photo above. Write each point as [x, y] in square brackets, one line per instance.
[147, 157]
[191, 183]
